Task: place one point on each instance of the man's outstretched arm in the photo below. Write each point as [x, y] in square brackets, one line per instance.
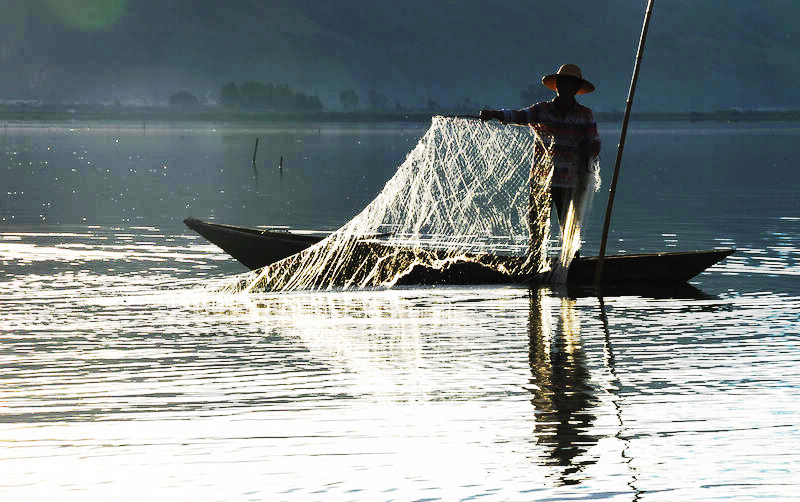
[491, 114]
[522, 117]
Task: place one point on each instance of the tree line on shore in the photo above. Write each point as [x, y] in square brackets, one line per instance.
[261, 96]
[267, 96]
[253, 97]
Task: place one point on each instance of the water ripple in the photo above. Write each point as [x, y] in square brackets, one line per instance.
[495, 392]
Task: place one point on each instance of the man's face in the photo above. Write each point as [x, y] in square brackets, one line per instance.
[568, 86]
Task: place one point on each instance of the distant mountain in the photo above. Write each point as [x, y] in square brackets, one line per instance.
[700, 55]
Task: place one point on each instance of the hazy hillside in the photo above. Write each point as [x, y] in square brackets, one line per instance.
[699, 56]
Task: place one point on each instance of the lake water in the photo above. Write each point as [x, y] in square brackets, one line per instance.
[125, 378]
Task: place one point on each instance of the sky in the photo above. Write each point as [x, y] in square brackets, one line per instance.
[701, 55]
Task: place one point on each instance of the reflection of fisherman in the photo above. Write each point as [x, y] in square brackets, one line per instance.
[571, 128]
[563, 395]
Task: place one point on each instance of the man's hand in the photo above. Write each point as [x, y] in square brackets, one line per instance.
[489, 115]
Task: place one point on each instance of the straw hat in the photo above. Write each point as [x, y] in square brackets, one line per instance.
[570, 70]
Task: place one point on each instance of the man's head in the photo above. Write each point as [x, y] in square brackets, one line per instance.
[567, 77]
[568, 86]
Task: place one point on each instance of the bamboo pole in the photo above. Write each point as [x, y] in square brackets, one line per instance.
[598, 273]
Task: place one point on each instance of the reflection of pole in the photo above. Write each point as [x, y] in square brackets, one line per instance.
[610, 363]
[598, 273]
[609, 355]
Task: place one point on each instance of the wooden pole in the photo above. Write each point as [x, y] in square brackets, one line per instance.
[255, 152]
[598, 273]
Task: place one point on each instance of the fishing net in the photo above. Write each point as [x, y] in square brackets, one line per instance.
[470, 203]
[587, 182]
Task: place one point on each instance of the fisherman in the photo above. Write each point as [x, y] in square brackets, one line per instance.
[570, 127]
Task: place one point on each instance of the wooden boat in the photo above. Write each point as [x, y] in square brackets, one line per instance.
[255, 248]
[650, 268]
[623, 270]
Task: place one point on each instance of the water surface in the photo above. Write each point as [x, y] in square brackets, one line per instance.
[124, 377]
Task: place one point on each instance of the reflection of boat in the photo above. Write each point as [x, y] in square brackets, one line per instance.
[256, 248]
[682, 290]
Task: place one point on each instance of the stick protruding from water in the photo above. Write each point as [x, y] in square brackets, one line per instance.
[255, 153]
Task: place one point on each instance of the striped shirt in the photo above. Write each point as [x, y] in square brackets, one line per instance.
[571, 136]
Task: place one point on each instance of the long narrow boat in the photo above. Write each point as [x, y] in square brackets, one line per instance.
[255, 248]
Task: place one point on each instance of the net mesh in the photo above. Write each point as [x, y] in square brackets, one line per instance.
[470, 194]
[587, 182]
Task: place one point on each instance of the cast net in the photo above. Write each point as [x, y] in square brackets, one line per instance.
[470, 203]
[580, 201]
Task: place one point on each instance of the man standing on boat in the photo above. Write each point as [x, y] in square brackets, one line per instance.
[569, 131]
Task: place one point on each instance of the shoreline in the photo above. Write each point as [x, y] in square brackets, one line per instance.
[83, 113]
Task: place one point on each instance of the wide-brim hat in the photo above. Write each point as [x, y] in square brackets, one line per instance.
[570, 70]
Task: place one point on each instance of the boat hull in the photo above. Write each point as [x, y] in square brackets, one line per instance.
[649, 268]
[255, 248]
[618, 270]
[252, 247]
